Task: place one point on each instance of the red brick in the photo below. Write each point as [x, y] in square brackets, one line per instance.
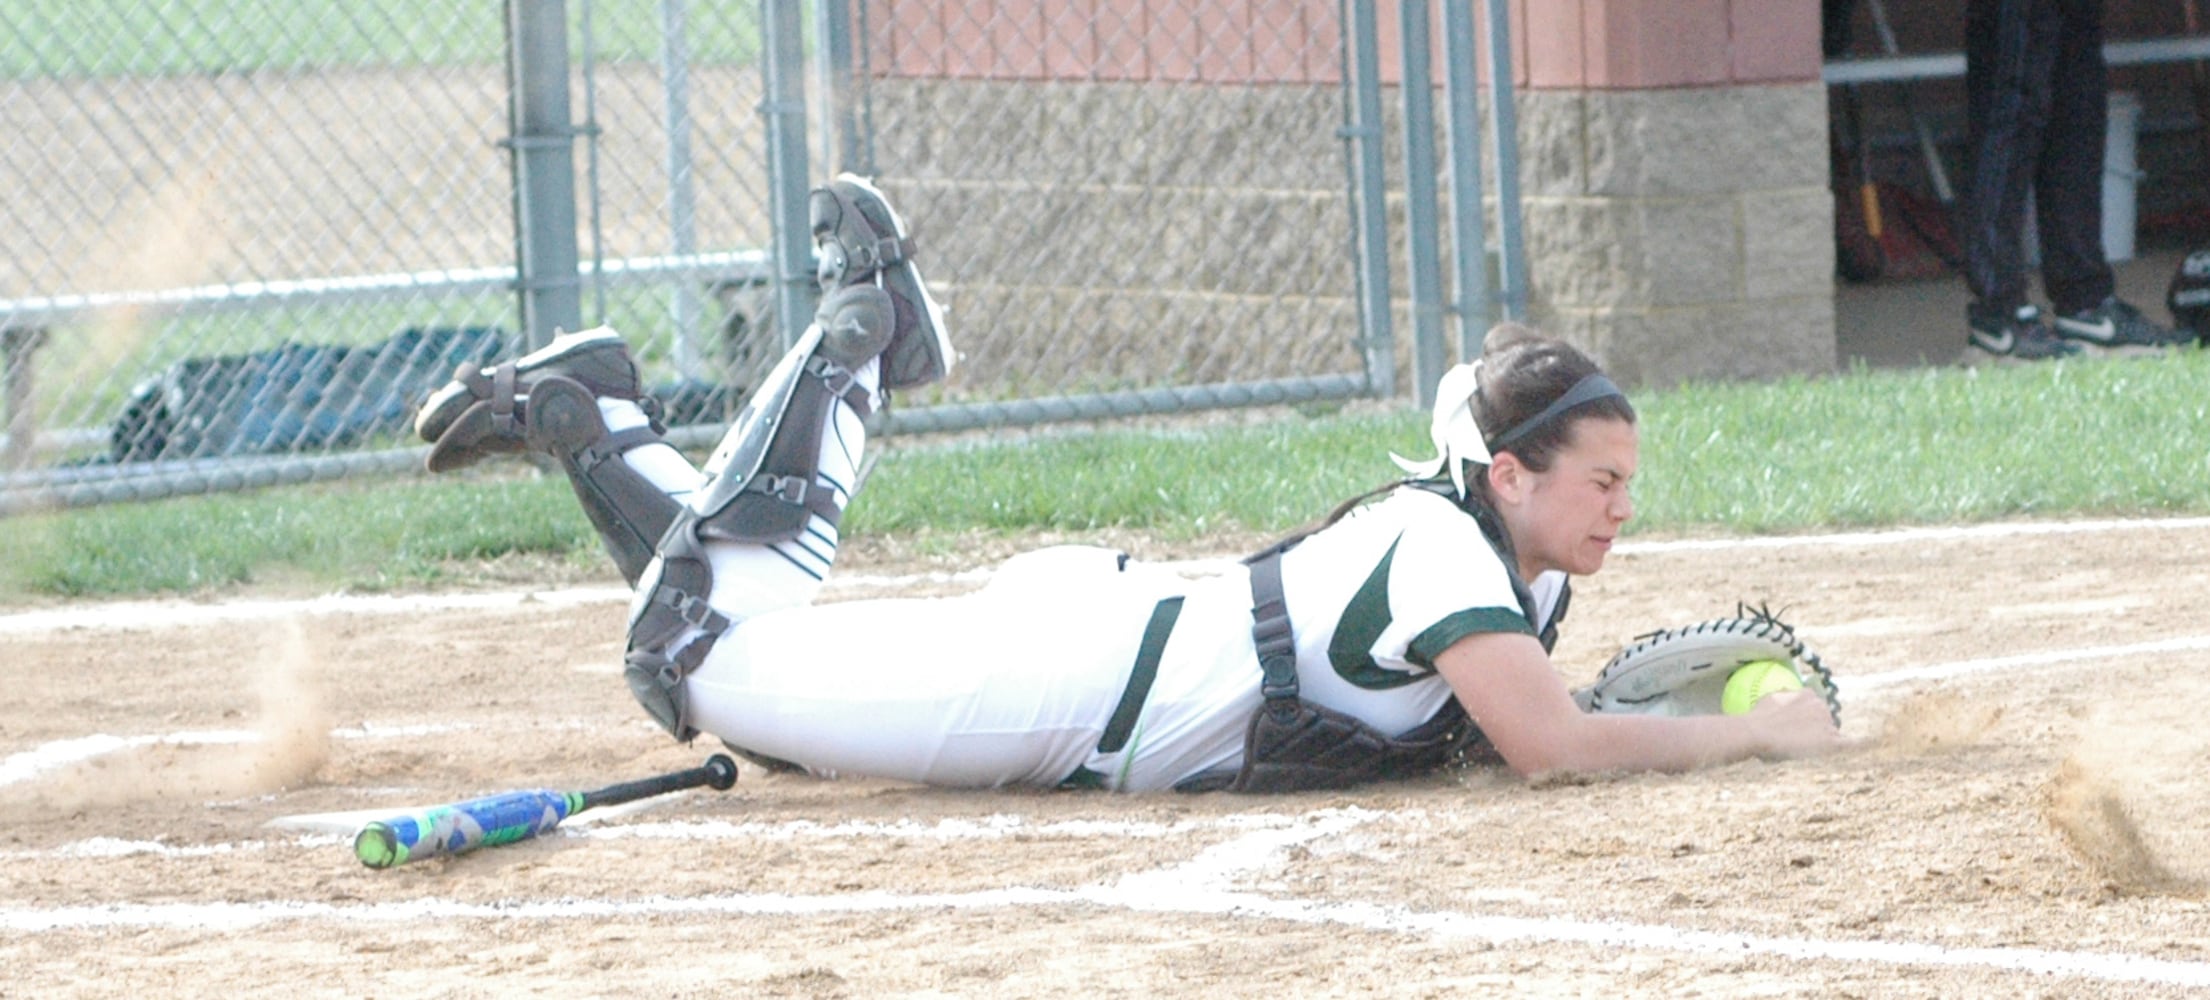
[1775, 40]
[1553, 37]
[1645, 44]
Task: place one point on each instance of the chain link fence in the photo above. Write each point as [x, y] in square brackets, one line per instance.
[1127, 207]
[248, 235]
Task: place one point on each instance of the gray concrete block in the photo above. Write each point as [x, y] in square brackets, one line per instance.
[1029, 339]
[1553, 143]
[1788, 243]
[1236, 241]
[1109, 133]
[1616, 252]
[1660, 143]
[1751, 340]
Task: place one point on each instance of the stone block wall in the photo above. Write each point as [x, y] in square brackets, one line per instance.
[1133, 233]
[1674, 174]
[1682, 233]
[1176, 198]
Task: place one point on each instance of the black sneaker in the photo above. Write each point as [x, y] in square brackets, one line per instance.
[2117, 327]
[2022, 338]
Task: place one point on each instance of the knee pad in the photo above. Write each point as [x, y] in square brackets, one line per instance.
[856, 322]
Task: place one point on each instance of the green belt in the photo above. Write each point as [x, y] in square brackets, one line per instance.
[1123, 723]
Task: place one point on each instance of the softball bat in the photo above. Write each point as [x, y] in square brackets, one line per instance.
[504, 818]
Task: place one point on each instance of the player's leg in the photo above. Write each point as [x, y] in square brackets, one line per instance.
[761, 534]
[579, 400]
[1014, 684]
[945, 691]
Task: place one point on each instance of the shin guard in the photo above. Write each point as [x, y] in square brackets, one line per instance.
[629, 511]
[671, 627]
[765, 483]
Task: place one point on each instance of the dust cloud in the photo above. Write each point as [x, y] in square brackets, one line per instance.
[288, 745]
[2128, 799]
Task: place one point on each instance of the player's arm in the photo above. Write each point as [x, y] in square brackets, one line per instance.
[1506, 683]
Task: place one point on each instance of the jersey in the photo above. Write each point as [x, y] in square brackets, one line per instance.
[1377, 596]
[1015, 684]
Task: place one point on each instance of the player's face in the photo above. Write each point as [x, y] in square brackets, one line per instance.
[1568, 517]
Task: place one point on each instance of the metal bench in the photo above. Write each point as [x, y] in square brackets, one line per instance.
[1950, 65]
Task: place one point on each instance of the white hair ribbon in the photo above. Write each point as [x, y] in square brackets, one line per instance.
[1457, 435]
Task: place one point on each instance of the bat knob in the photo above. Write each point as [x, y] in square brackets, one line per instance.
[377, 847]
[721, 772]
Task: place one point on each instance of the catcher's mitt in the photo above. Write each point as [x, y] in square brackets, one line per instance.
[1684, 671]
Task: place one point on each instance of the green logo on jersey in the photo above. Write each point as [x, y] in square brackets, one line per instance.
[1350, 651]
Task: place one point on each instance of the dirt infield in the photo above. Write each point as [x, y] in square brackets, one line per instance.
[2027, 816]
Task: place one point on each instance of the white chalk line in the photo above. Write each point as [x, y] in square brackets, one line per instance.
[1914, 536]
[171, 614]
[2084, 655]
[996, 827]
[57, 755]
[1200, 887]
[150, 615]
[104, 848]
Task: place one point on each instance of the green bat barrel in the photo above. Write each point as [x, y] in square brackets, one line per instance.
[463, 826]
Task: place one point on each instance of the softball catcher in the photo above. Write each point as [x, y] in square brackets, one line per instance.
[1410, 628]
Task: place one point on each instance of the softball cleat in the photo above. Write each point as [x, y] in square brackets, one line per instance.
[482, 411]
[861, 247]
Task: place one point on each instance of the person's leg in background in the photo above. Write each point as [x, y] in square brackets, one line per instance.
[2068, 193]
[2007, 61]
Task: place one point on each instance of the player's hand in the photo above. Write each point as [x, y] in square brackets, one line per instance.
[1795, 724]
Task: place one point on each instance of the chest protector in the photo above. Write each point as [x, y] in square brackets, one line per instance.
[1293, 745]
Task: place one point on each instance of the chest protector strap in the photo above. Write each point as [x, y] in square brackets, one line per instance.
[1293, 745]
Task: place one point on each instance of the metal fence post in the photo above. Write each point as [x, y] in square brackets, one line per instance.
[1469, 229]
[784, 109]
[1420, 207]
[543, 144]
[846, 88]
[1369, 193]
[1511, 265]
[480, 213]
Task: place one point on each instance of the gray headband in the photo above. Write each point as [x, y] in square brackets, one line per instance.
[1591, 387]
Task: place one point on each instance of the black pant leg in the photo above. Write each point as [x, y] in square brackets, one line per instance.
[2068, 179]
[2008, 59]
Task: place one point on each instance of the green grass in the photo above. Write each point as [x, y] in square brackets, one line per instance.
[355, 536]
[1930, 446]
[1861, 449]
[107, 38]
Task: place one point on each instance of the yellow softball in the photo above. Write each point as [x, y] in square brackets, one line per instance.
[1751, 682]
